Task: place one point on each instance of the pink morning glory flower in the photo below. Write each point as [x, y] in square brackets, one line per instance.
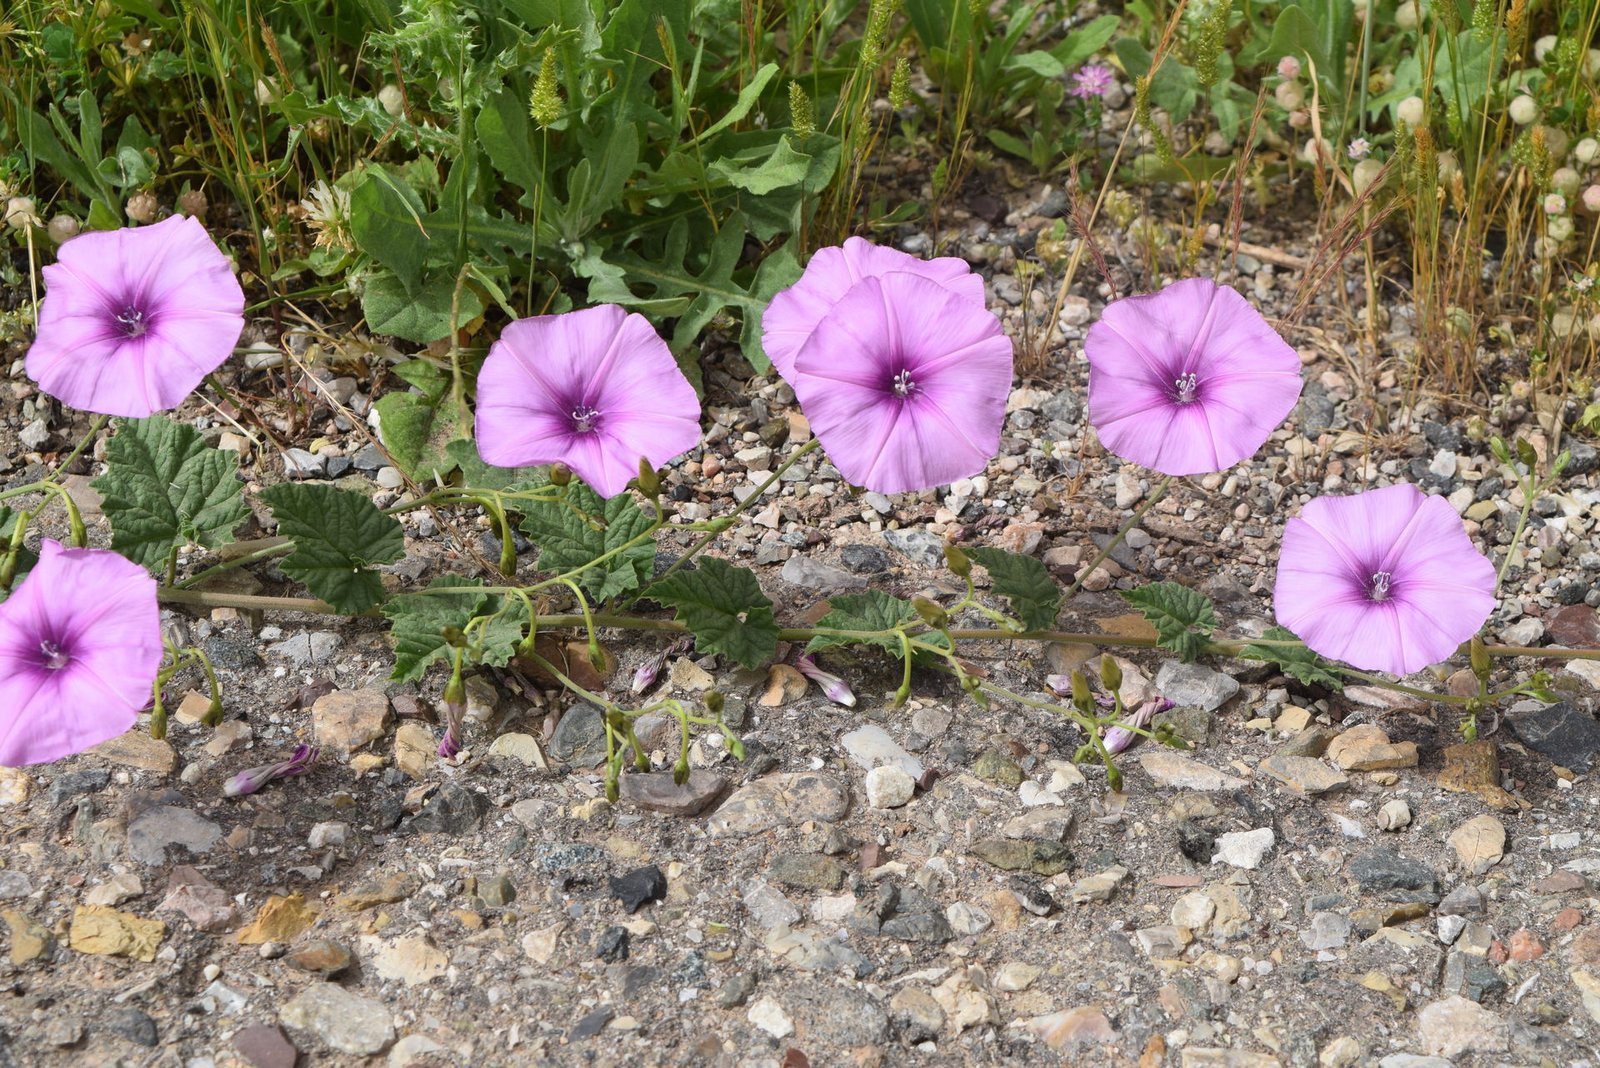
[905, 383]
[1188, 380]
[793, 314]
[134, 319]
[1093, 80]
[80, 644]
[1385, 580]
[594, 389]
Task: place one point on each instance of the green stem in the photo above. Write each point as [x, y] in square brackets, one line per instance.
[1529, 492]
[1116, 539]
[711, 535]
[279, 549]
[95, 427]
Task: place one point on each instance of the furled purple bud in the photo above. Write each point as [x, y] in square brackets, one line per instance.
[1119, 738]
[833, 687]
[253, 779]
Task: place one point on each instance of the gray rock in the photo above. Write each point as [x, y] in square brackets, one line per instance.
[965, 919]
[339, 1019]
[870, 746]
[568, 858]
[782, 800]
[34, 435]
[300, 464]
[1328, 930]
[1563, 732]
[917, 545]
[810, 951]
[1196, 685]
[813, 575]
[452, 809]
[1464, 900]
[75, 783]
[264, 1046]
[496, 891]
[916, 1016]
[580, 736]
[655, 791]
[1385, 872]
[767, 905]
[1194, 725]
[132, 1024]
[806, 871]
[301, 650]
[1062, 413]
[14, 884]
[157, 829]
[864, 559]
[844, 1018]
[736, 991]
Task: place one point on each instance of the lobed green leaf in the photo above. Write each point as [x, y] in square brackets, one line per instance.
[1183, 618]
[1025, 582]
[337, 535]
[723, 606]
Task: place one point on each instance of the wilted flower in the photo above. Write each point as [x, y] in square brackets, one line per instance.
[134, 319]
[833, 687]
[904, 375]
[253, 779]
[1188, 380]
[1385, 580]
[80, 645]
[594, 389]
[1092, 80]
[1119, 738]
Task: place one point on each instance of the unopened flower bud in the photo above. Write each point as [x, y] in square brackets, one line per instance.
[142, 208]
[1119, 738]
[1289, 68]
[1299, 119]
[1480, 658]
[214, 714]
[1449, 166]
[560, 474]
[20, 214]
[680, 771]
[1559, 228]
[1544, 46]
[649, 480]
[1523, 110]
[1591, 199]
[714, 702]
[392, 100]
[1289, 95]
[1555, 204]
[266, 92]
[1405, 16]
[1411, 111]
[932, 614]
[1114, 778]
[62, 229]
[1081, 696]
[1566, 181]
[957, 561]
[1364, 174]
[253, 779]
[1110, 673]
[1587, 151]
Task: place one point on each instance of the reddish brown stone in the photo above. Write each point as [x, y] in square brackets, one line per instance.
[1585, 949]
[1498, 953]
[1565, 920]
[1562, 882]
[1576, 626]
[1525, 945]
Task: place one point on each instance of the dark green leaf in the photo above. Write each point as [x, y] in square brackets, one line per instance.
[1025, 582]
[870, 611]
[421, 619]
[567, 540]
[386, 221]
[1183, 617]
[336, 534]
[1297, 662]
[725, 609]
[164, 487]
[416, 432]
[423, 316]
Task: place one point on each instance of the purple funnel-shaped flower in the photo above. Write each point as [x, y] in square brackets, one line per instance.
[134, 319]
[80, 644]
[794, 314]
[905, 383]
[1188, 380]
[1385, 580]
[593, 389]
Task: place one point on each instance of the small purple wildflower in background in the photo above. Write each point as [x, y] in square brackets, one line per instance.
[1360, 148]
[80, 645]
[594, 389]
[252, 779]
[134, 319]
[1385, 580]
[1092, 80]
[1188, 380]
[833, 687]
[794, 313]
[905, 383]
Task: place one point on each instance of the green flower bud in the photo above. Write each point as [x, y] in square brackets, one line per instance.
[649, 480]
[680, 771]
[714, 702]
[1081, 697]
[560, 474]
[932, 614]
[1480, 658]
[1114, 778]
[1110, 673]
[956, 560]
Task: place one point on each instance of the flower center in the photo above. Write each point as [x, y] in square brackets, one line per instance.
[131, 320]
[1378, 586]
[584, 419]
[52, 655]
[1184, 387]
[902, 384]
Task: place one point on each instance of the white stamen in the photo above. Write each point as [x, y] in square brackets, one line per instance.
[54, 658]
[132, 321]
[1378, 585]
[584, 419]
[903, 386]
[1184, 388]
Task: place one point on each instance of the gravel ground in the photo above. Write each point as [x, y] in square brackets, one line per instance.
[1326, 879]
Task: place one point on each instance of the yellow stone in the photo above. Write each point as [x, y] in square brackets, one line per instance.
[14, 786]
[193, 708]
[28, 939]
[281, 919]
[362, 763]
[414, 749]
[137, 749]
[106, 932]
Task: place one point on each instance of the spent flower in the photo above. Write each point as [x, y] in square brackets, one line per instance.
[134, 319]
[80, 646]
[1385, 580]
[833, 687]
[252, 779]
[1188, 380]
[594, 389]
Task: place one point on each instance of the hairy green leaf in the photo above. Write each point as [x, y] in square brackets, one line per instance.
[725, 609]
[416, 431]
[1183, 617]
[337, 534]
[165, 487]
[568, 540]
[1297, 662]
[421, 620]
[870, 611]
[1025, 582]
